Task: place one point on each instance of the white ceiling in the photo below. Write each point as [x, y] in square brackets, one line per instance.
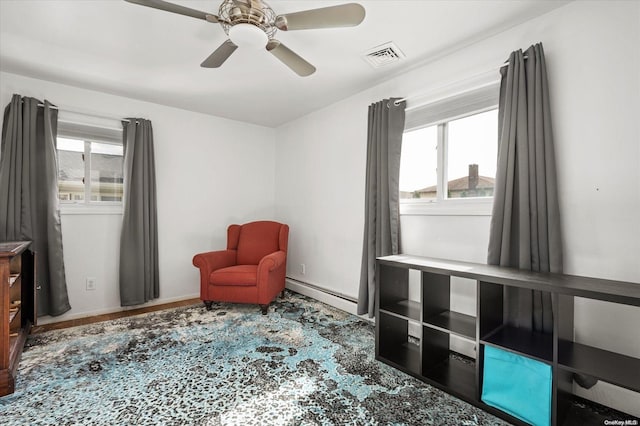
[134, 51]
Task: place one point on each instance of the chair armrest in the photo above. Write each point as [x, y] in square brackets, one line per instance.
[209, 262]
[271, 274]
[212, 260]
[272, 261]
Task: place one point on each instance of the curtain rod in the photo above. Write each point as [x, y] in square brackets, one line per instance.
[507, 62]
[85, 113]
[399, 101]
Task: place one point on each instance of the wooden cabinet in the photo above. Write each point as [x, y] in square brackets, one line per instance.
[414, 334]
[17, 307]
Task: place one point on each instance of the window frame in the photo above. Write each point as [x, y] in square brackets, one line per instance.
[457, 106]
[89, 133]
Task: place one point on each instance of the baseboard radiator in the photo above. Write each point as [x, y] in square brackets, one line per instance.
[335, 299]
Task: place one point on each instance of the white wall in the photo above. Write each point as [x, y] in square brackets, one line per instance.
[210, 172]
[593, 62]
[320, 193]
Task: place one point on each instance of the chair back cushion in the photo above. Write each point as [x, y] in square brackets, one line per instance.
[256, 240]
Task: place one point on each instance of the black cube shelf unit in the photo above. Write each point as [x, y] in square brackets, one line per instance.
[429, 357]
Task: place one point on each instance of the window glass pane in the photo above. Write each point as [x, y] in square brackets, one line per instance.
[106, 172]
[418, 163]
[472, 152]
[70, 169]
[107, 148]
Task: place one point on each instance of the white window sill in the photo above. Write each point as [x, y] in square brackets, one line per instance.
[89, 209]
[455, 207]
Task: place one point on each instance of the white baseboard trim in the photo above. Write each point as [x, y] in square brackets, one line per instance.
[298, 286]
[73, 316]
[325, 297]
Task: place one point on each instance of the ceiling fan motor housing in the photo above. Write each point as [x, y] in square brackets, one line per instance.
[252, 12]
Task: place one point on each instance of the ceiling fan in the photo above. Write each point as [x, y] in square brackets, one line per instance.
[252, 23]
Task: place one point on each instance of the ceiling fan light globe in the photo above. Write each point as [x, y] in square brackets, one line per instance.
[248, 36]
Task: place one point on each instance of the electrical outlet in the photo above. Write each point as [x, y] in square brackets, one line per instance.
[91, 283]
[303, 268]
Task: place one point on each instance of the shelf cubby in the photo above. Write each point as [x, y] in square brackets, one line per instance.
[523, 342]
[395, 296]
[606, 365]
[436, 294]
[611, 367]
[461, 325]
[404, 308]
[456, 373]
[436, 307]
[396, 345]
[445, 367]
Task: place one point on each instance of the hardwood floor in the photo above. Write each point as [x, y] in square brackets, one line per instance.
[115, 315]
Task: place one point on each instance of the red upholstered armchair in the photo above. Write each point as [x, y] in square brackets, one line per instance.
[252, 268]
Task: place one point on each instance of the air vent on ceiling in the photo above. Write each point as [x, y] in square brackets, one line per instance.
[384, 54]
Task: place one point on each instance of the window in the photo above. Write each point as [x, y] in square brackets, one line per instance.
[449, 150]
[89, 164]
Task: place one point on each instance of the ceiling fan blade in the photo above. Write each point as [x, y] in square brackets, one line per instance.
[345, 15]
[290, 58]
[220, 55]
[176, 8]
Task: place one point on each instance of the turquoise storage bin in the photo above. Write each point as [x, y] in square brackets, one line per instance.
[517, 385]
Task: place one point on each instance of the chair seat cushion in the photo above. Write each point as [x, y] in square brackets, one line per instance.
[238, 275]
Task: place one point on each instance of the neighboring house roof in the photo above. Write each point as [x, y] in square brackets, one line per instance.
[462, 184]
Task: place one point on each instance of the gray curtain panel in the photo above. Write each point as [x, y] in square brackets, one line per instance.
[382, 212]
[525, 222]
[29, 194]
[139, 281]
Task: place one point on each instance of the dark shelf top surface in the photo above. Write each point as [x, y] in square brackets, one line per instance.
[525, 342]
[614, 368]
[455, 322]
[593, 288]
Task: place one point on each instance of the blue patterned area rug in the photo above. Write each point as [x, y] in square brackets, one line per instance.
[305, 363]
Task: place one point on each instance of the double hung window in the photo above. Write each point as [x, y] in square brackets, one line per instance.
[90, 160]
[449, 152]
